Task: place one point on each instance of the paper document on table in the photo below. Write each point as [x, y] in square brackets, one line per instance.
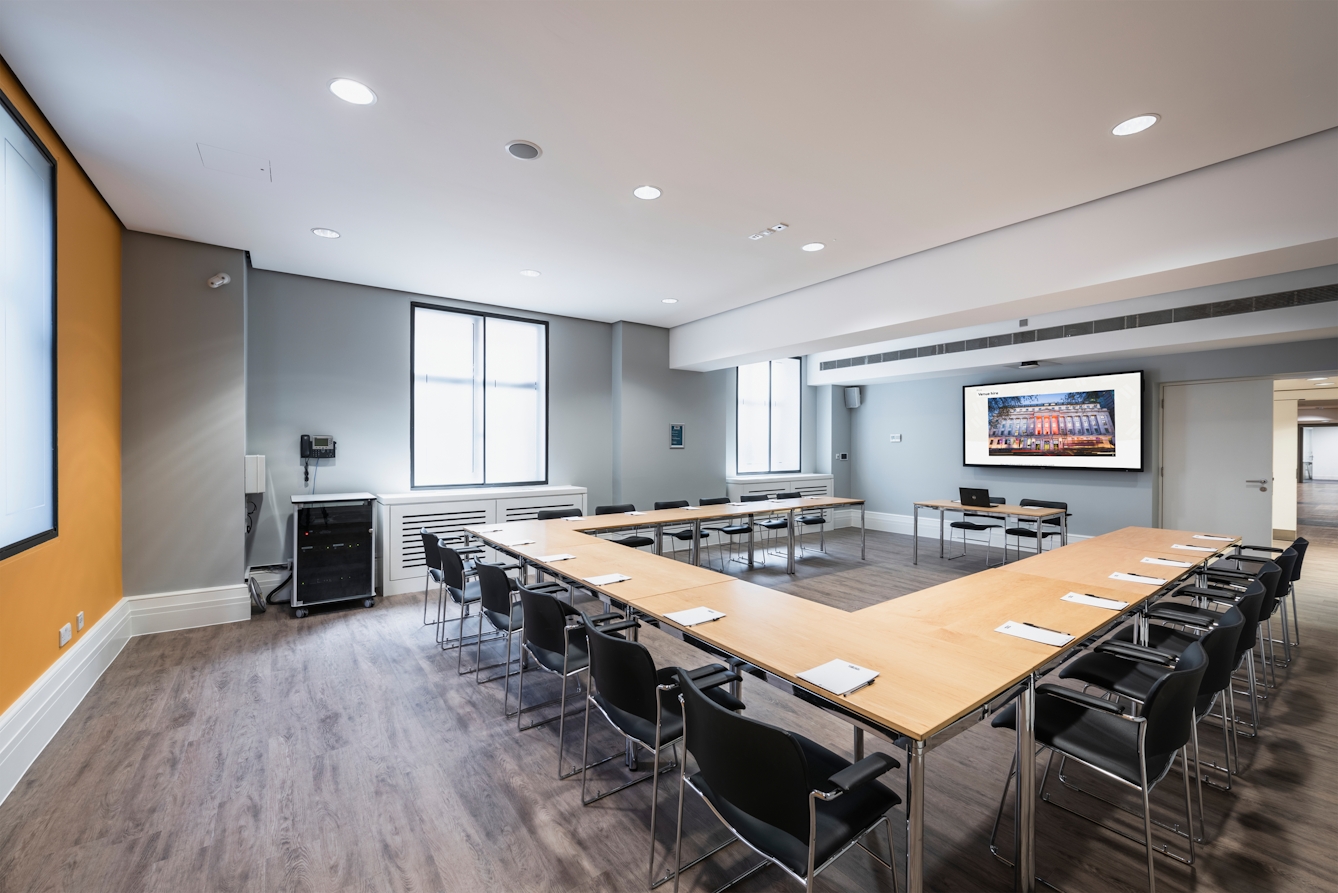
[1220, 539]
[574, 518]
[738, 505]
[633, 513]
[494, 530]
[606, 579]
[694, 616]
[1193, 548]
[549, 559]
[839, 677]
[1034, 633]
[520, 543]
[1169, 562]
[692, 508]
[1096, 601]
[1138, 578]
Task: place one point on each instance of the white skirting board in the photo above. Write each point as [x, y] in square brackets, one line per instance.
[30, 723]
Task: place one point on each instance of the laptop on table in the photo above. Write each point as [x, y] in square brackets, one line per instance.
[976, 498]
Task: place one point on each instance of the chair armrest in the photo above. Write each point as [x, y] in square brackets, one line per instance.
[716, 679]
[1228, 573]
[863, 772]
[1078, 697]
[1179, 614]
[597, 619]
[1139, 653]
[620, 625]
[1260, 549]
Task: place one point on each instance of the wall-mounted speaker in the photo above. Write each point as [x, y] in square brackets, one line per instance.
[852, 398]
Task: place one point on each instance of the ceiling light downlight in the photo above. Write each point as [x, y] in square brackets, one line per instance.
[647, 193]
[815, 246]
[668, 300]
[324, 233]
[524, 150]
[352, 91]
[533, 274]
[1134, 125]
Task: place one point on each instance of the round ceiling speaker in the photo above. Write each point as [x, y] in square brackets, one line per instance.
[525, 151]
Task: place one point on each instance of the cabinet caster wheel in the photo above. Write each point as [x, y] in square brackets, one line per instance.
[300, 613]
[368, 602]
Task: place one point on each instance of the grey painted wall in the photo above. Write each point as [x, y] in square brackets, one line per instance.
[330, 357]
[832, 436]
[183, 415]
[648, 397]
[927, 464]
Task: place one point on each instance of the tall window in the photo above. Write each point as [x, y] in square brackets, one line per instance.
[479, 406]
[767, 422]
[27, 338]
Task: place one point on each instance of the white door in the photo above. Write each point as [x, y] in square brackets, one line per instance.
[1217, 458]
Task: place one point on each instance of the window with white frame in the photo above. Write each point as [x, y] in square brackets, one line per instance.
[767, 418]
[479, 402]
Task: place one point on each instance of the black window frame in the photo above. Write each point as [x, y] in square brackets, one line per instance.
[798, 470]
[53, 531]
[414, 307]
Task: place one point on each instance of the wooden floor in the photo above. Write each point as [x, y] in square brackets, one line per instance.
[342, 752]
[1317, 511]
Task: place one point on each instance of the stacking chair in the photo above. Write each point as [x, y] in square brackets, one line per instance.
[1233, 581]
[553, 635]
[505, 616]
[641, 703]
[1286, 560]
[819, 521]
[459, 588]
[726, 532]
[684, 535]
[636, 540]
[1137, 751]
[974, 522]
[774, 526]
[789, 799]
[551, 514]
[1217, 633]
[1037, 532]
[432, 564]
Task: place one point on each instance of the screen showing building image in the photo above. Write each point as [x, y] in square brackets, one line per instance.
[1074, 423]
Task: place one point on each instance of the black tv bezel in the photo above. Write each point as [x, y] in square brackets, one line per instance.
[1142, 438]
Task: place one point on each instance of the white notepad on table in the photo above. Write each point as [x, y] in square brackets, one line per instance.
[1034, 633]
[606, 579]
[1220, 539]
[520, 543]
[738, 504]
[691, 508]
[839, 677]
[1193, 548]
[574, 518]
[1096, 601]
[633, 513]
[694, 616]
[1169, 562]
[549, 559]
[1138, 578]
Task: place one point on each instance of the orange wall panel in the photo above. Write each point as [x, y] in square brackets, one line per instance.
[80, 570]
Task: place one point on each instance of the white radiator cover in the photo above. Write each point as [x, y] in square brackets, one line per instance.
[771, 484]
[445, 512]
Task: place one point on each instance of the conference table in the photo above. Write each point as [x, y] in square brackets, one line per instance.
[1004, 511]
[693, 516]
[942, 664]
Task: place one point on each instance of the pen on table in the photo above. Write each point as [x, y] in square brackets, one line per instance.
[858, 687]
[1045, 628]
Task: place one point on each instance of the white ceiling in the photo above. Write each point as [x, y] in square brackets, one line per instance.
[882, 129]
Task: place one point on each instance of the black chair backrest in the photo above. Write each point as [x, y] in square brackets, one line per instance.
[1286, 560]
[1270, 575]
[624, 672]
[714, 500]
[551, 514]
[494, 588]
[754, 497]
[430, 554]
[1219, 645]
[1300, 544]
[614, 509]
[452, 566]
[758, 768]
[794, 495]
[1044, 504]
[1169, 708]
[672, 504]
[546, 621]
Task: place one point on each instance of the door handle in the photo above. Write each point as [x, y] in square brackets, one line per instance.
[1263, 485]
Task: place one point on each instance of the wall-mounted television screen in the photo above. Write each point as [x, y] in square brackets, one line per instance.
[1094, 421]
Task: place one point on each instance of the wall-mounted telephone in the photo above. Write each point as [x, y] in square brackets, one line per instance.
[315, 446]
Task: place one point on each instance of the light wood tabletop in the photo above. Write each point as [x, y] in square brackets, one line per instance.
[655, 518]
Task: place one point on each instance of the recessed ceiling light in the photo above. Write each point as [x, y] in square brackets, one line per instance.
[1324, 384]
[324, 233]
[815, 246]
[531, 273]
[1321, 378]
[352, 91]
[668, 300]
[1135, 125]
[524, 150]
[646, 192]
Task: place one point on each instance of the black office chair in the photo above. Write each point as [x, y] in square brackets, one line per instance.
[554, 636]
[641, 703]
[1137, 751]
[724, 532]
[636, 540]
[683, 535]
[819, 521]
[460, 585]
[1274, 579]
[1217, 633]
[432, 564]
[774, 526]
[498, 607]
[974, 522]
[1037, 532]
[751, 497]
[1286, 559]
[553, 514]
[790, 799]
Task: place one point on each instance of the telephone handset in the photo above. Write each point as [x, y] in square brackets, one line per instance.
[318, 446]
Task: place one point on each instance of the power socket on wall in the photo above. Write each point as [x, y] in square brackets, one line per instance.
[65, 635]
[79, 621]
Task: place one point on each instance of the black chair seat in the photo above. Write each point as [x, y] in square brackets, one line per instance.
[731, 529]
[577, 656]
[1027, 532]
[838, 820]
[812, 519]
[671, 717]
[468, 596]
[686, 535]
[437, 575]
[635, 542]
[1092, 736]
[775, 524]
[502, 622]
[971, 525]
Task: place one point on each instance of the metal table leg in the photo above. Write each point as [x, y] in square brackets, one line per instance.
[1064, 529]
[858, 745]
[789, 527]
[940, 533]
[915, 534]
[696, 541]
[863, 531]
[659, 539]
[751, 524]
[1024, 860]
[915, 817]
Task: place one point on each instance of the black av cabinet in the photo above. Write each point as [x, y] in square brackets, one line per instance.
[333, 539]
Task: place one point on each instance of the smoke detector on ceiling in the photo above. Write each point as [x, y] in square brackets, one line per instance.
[524, 150]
